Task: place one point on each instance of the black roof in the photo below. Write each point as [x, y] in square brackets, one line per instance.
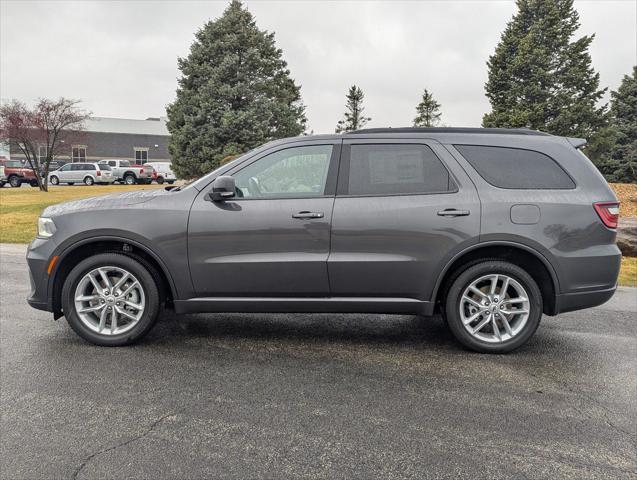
[498, 131]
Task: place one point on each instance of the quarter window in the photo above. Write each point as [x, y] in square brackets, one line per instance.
[78, 153]
[385, 169]
[293, 172]
[516, 168]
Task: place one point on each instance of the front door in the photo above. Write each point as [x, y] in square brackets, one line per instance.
[64, 173]
[273, 238]
[400, 214]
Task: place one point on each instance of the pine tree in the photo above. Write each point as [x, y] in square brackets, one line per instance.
[234, 94]
[620, 165]
[542, 79]
[353, 119]
[428, 111]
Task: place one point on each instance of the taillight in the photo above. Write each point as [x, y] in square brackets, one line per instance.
[99, 174]
[608, 213]
[141, 170]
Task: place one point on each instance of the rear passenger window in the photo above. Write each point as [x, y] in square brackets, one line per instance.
[396, 169]
[516, 168]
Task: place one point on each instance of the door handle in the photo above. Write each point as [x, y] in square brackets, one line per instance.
[306, 214]
[452, 212]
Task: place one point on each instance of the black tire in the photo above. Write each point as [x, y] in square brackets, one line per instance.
[88, 181]
[15, 181]
[2, 184]
[160, 180]
[474, 272]
[144, 273]
[70, 183]
[34, 183]
[170, 182]
[54, 180]
[130, 179]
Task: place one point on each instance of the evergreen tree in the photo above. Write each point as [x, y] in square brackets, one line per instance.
[620, 165]
[428, 111]
[539, 77]
[353, 118]
[234, 94]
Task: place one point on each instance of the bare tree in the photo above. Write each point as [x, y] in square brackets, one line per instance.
[50, 124]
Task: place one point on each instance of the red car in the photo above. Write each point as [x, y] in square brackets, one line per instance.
[16, 174]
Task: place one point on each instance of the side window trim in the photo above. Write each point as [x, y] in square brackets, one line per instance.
[330, 181]
[342, 189]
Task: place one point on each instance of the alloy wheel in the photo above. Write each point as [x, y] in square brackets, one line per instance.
[494, 308]
[109, 300]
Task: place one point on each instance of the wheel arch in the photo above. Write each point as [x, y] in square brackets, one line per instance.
[534, 262]
[69, 256]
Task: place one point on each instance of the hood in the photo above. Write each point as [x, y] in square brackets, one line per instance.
[112, 201]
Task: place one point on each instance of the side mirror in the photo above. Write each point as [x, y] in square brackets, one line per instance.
[223, 188]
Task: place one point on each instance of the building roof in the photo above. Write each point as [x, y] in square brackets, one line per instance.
[150, 126]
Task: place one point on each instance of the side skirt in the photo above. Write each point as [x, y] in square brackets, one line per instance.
[305, 305]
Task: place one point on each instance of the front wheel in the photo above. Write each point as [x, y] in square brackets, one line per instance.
[160, 180]
[15, 181]
[110, 299]
[493, 307]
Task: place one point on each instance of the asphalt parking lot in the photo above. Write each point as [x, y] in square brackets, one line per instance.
[314, 396]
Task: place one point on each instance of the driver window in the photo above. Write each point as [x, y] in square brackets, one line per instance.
[293, 172]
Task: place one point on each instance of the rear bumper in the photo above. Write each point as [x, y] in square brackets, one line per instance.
[569, 302]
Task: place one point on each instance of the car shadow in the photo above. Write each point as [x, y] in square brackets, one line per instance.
[305, 328]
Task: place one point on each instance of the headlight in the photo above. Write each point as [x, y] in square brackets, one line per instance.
[46, 227]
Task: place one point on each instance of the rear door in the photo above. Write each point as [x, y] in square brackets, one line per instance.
[403, 209]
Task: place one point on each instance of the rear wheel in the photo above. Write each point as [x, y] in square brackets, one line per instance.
[54, 180]
[170, 182]
[88, 180]
[129, 179]
[493, 307]
[110, 299]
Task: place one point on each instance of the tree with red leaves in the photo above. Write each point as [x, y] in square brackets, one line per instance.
[52, 124]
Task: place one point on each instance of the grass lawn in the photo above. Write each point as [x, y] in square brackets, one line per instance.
[21, 207]
[628, 273]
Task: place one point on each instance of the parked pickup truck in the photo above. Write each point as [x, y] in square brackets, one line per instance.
[16, 174]
[128, 173]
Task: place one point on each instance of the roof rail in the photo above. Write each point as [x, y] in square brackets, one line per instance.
[497, 131]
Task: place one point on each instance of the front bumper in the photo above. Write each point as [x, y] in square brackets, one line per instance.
[39, 254]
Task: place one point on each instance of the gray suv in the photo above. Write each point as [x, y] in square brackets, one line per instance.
[491, 228]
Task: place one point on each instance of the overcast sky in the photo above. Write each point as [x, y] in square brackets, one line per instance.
[120, 58]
